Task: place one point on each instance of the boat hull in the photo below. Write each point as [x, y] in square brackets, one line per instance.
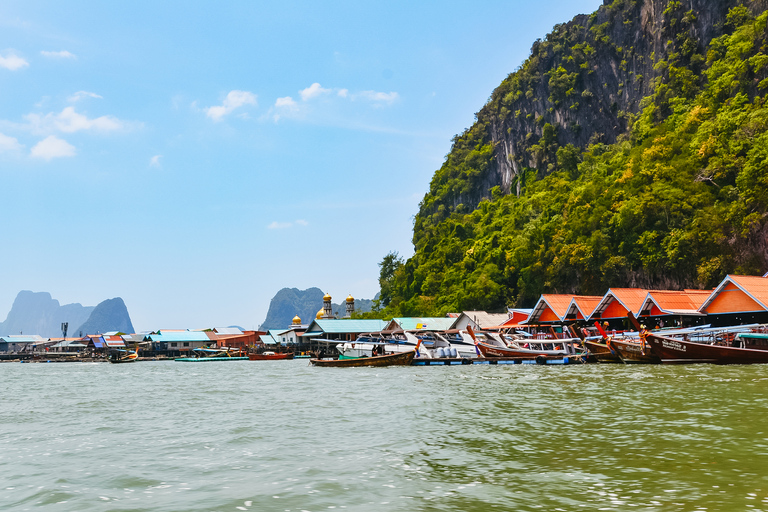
[601, 352]
[674, 351]
[400, 359]
[270, 357]
[633, 353]
[492, 351]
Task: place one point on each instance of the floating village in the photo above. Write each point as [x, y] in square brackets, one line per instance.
[726, 325]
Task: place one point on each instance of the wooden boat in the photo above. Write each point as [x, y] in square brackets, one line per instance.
[742, 348]
[269, 356]
[679, 351]
[213, 354]
[120, 355]
[601, 352]
[493, 348]
[633, 352]
[396, 359]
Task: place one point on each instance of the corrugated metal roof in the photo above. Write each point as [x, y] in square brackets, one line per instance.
[437, 323]
[267, 339]
[335, 326]
[19, 338]
[486, 320]
[227, 330]
[177, 336]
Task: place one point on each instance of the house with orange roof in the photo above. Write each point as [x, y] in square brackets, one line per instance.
[738, 300]
[550, 309]
[616, 303]
[673, 307]
[581, 307]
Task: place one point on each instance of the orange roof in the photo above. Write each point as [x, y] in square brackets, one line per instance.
[672, 302]
[582, 306]
[550, 308]
[617, 301]
[738, 294]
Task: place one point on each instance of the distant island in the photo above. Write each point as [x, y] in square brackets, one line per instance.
[290, 302]
[39, 313]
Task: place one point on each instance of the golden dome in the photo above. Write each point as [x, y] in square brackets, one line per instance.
[320, 314]
[350, 299]
[327, 297]
[296, 320]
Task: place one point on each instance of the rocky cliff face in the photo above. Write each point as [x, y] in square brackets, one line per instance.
[583, 84]
[290, 302]
[38, 313]
[109, 315]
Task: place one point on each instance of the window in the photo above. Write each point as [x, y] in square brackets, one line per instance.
[186, 343]
[173, 344]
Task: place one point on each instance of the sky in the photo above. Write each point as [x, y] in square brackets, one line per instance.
[194, 157]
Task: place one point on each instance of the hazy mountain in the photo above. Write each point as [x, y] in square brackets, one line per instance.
[109, 315]
[290, 302]
[38, 313]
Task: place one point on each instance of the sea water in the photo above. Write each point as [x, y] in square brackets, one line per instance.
[285, 436]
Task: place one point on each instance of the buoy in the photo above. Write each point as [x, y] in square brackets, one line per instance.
[541, 359]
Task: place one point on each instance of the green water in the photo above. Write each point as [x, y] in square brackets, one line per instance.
[283, 436]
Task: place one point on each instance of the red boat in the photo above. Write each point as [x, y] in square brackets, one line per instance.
[678, 351]
[745, 348]
[269, 356]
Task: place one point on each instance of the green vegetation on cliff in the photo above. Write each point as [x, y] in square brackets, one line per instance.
[675, 197]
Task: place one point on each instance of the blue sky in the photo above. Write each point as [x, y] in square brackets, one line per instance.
[195, 157]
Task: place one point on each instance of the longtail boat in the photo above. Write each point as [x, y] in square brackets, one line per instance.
[120, 355]
[743, 348]
[270, 356]
[629, 351]
[492, 348]
[396, 359]
[633, 352]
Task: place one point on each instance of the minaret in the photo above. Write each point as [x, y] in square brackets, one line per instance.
[350, 306]
[327, 308]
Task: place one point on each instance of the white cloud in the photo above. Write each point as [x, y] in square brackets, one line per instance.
[52, 147]
[64, 54]
[9, 143]
[83, 94]
[155, 161]
[12, 62]
[342, 93]
[286, 225]
[287, 101]
[313, 91]
[378, 97]
[235, 99]
[69, 121]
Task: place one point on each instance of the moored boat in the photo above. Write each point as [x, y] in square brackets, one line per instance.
[270, 356]
[396, 359]
[119, 355]
[732, 348]
[492, 347]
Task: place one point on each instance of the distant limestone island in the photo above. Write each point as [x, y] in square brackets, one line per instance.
[39, 313]
[290, 302]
